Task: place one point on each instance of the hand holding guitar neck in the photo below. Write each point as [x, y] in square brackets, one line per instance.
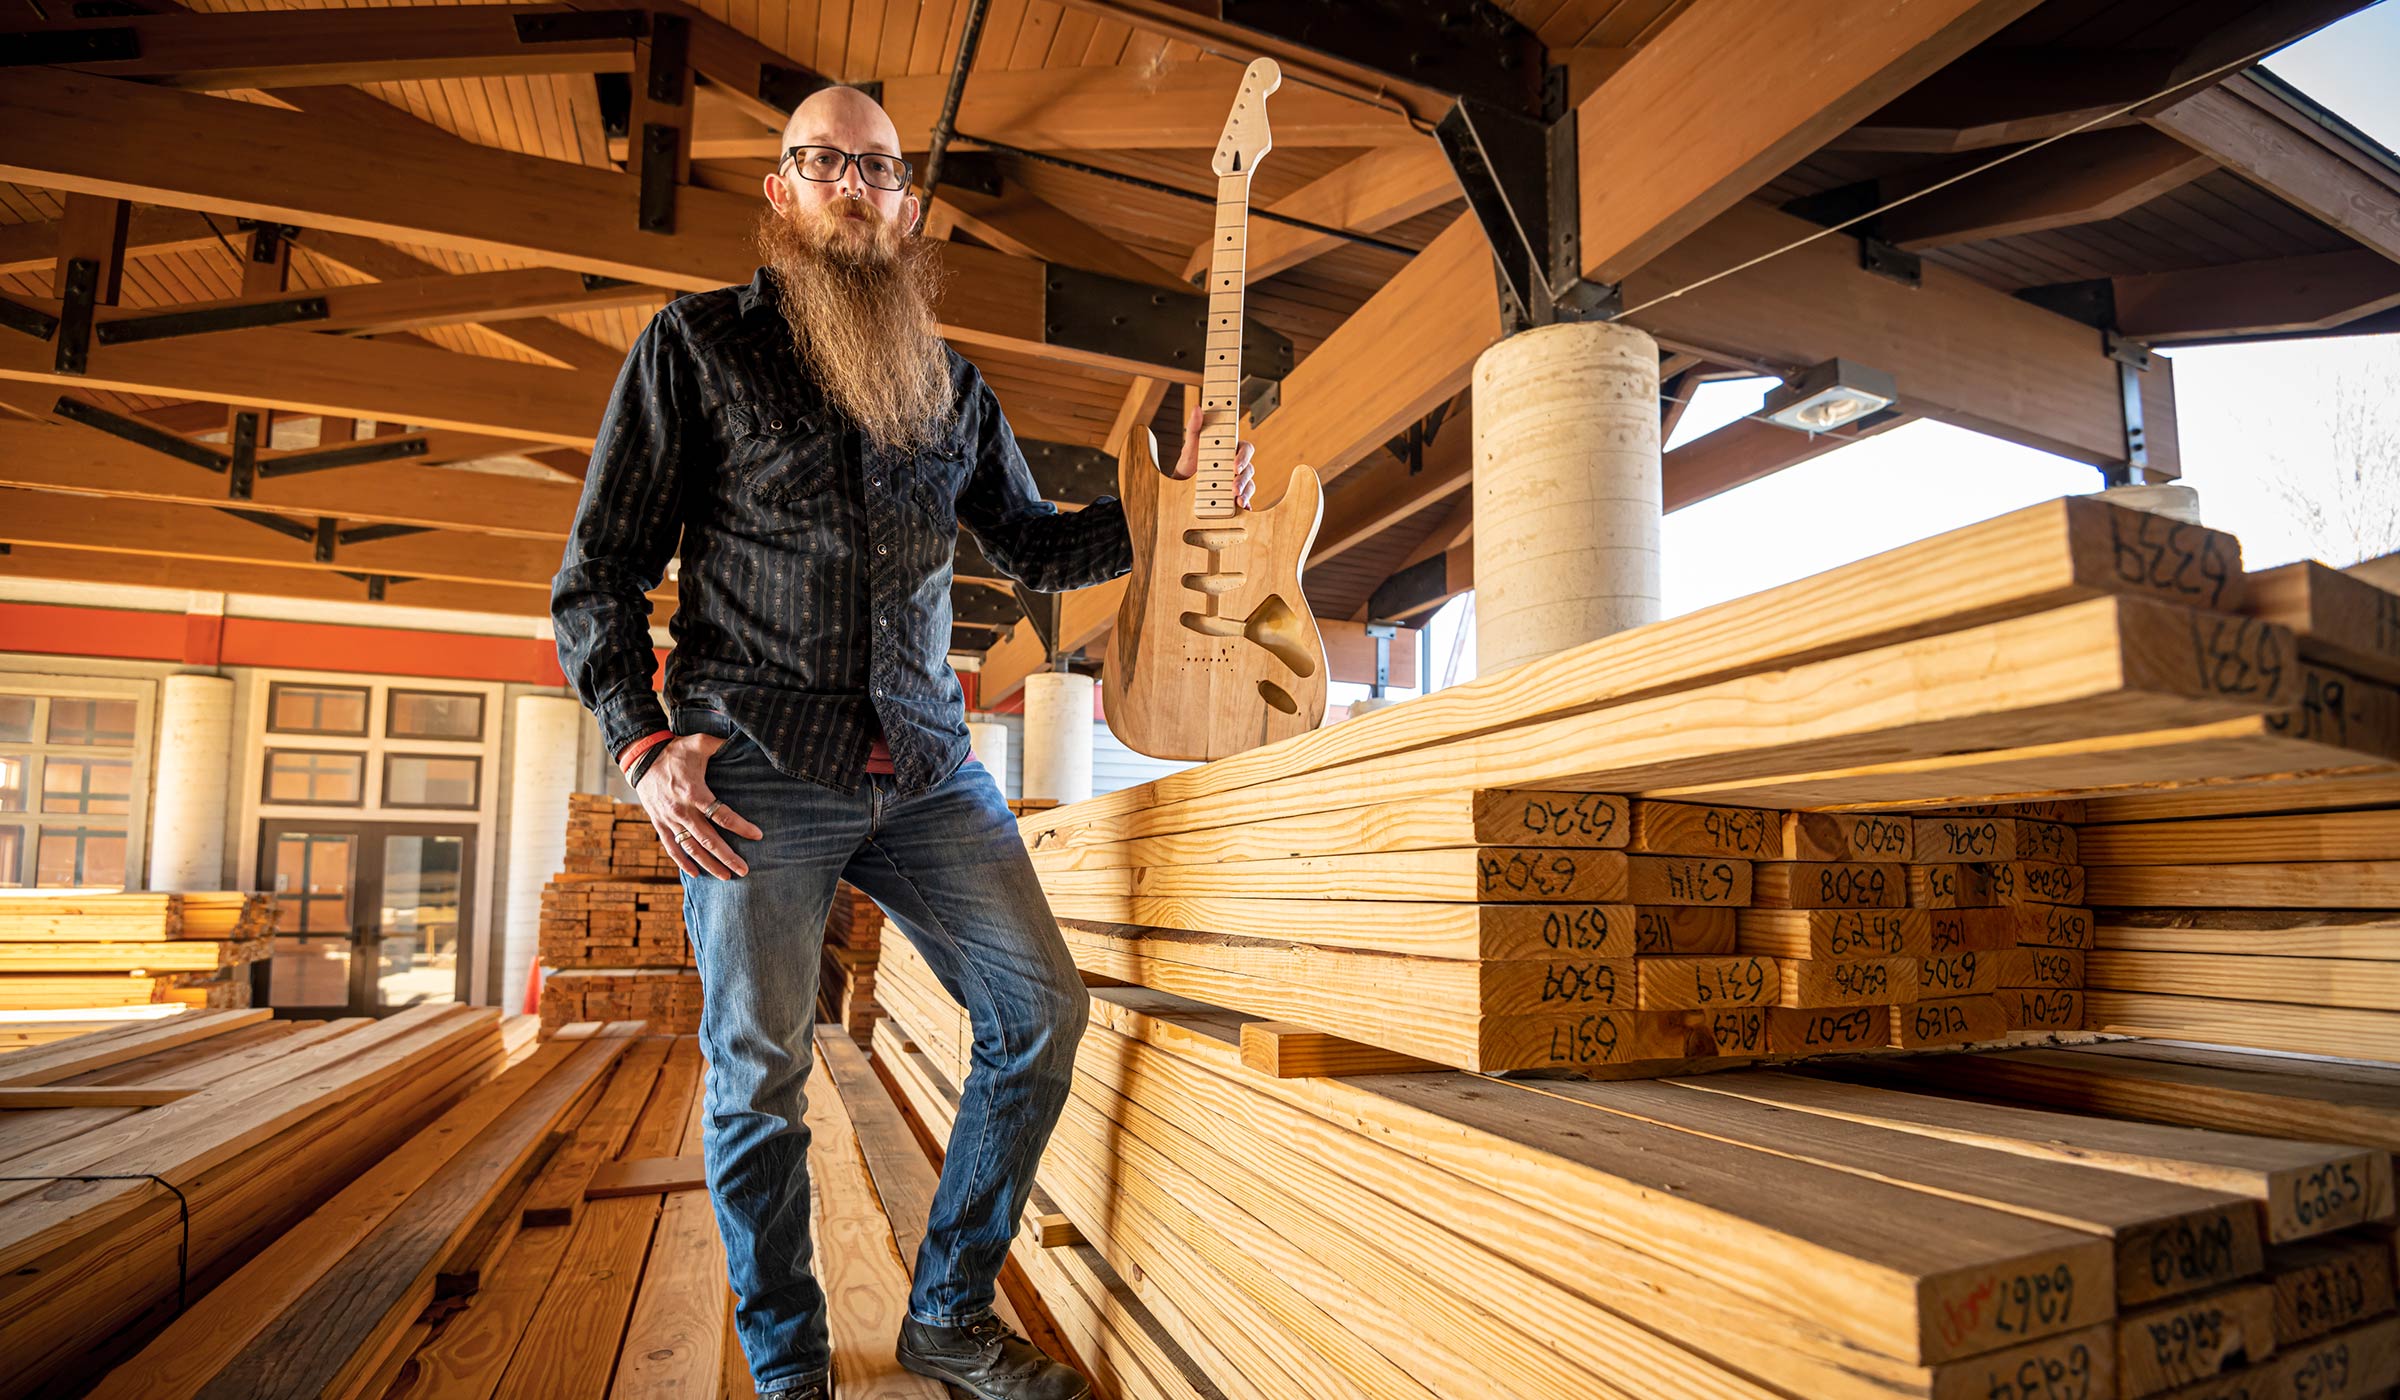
[1187, 462]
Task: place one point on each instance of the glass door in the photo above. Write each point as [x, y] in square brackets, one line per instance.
[373, 916]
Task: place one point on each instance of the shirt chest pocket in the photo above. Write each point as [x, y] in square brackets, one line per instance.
[774, 453]
[940, 475]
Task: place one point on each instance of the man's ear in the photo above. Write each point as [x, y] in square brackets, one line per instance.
[909, 206]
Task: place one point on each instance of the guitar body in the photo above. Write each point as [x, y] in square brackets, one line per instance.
[1215, 649]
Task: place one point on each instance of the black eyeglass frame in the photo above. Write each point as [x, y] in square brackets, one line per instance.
[849, 159]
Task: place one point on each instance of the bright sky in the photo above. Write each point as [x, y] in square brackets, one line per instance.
[2257, 427]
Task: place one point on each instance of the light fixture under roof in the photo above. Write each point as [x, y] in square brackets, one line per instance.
[1830, 395]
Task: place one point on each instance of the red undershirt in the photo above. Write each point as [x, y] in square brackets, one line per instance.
[879, 755]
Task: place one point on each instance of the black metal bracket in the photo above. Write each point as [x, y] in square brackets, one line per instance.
[76, 313]
[1045, 611]
[40, 47]
[582, 26]
[367, 534]
[1461, 48]
[661, 143]
[670, 59]
[1410, 446]
[1885, 260]
[266, 520]
[1519, 176]
[324, 537]
[376, 583]
[596, 282]
[127, 329]
[1260, 397]
[1112, 316]
[348, 454]
[27, 320]
[2137, 438]
[1069, 472]
[139, 433]
[242, 465]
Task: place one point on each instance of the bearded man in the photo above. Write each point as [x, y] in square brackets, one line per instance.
[815, 447]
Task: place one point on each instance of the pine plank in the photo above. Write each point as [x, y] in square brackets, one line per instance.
[2168, 1239]
[2306, 1188]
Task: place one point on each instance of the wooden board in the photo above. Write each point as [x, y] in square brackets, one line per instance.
[2344, 621]
[1836, 933]
[2305, 1188]
[1506, 874]
[1851, 836]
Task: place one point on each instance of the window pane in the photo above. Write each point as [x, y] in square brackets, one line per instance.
[311, 880]
[16, 719]
[424, 780]
[421, 878]
[12, 857]
[75, 857]
[91, 722]
[309, 972]
[425, 714]
[331, 778]
[12, 782]
[87, 787]
[317, 709]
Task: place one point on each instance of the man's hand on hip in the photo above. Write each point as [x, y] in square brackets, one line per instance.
[688, 816]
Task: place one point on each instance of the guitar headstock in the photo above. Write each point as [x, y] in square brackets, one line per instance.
[1246, 137]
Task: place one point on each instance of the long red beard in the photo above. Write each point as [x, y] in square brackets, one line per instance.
[861, 315]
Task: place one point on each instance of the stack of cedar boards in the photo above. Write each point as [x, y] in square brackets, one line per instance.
[613, 946]
[63, 951]
[551, 1238]
[1734, 1236]
[1452, 879]
[846, 975]
[152, 1159]
[2264, 914]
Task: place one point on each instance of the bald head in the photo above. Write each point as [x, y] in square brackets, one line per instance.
[845, 118]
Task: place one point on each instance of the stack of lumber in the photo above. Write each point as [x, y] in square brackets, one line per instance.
[608, 837]
[1464, 877]
[195, 1139]
[667, 998]
[2323, 1299]
[594, 922]
[613, 945]
[2265, 915]
[63, 951]
[552, 1236]
[1745, 1234]
[846, 977]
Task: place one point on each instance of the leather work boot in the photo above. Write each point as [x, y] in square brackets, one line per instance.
[820, 1388]
[987, 1361]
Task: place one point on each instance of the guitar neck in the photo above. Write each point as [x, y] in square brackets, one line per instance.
[1221, 377]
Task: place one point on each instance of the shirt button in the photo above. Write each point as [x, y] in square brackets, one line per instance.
[883, 549]
[883, 622]
[775, 425]
[879, 690]
[876, 482]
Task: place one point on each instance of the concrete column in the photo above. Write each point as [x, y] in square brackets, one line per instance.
[545, 737]
[195, 762]
[990, 743]
[1058, 736]
[2169, 498]
[1567, 499]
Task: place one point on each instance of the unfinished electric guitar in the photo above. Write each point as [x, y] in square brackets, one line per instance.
[1215, 650]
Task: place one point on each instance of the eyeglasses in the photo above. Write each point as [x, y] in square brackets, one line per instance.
[825, 164]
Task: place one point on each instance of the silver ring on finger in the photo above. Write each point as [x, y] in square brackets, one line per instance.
[709, 812]
[683, 839]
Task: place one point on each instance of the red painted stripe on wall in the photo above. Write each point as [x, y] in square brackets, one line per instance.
[113, 632]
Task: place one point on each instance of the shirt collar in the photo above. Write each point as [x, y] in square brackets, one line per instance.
[760, 292]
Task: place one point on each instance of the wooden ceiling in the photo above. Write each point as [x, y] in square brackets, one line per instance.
[2136, 196]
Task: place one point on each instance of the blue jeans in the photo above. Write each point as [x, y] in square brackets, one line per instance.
[949, 868]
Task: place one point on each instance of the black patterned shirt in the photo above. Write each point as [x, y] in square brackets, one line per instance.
[813, 603]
